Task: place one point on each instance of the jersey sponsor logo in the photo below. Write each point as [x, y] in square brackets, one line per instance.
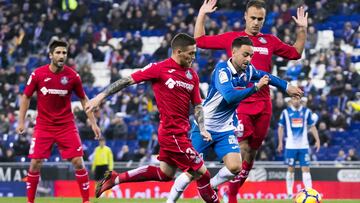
[171, 70]
[172, 83]
[189, 75]
[46, 91]
[262, 50]
[223, 77]
[296, 122]
[262, 40]
[47, 79]
[64, 80]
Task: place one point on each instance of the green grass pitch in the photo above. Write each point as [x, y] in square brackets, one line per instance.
[77, 200]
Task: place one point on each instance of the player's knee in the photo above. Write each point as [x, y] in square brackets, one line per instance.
[291, 169]
[35, 165]
[305, 169]
[78, 163]
[163, 176]
[234, 168]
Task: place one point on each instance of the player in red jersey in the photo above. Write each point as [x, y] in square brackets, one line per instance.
[175, 86]
[254, 113]
[54, 84]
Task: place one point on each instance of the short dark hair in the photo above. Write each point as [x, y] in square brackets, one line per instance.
[57, 43]
[256, 4]
[182, 40]
[238, 42]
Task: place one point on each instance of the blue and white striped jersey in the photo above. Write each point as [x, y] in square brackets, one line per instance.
[296, 123]
[226, 91]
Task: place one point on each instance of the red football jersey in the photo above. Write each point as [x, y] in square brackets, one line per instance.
[174, 87]
[54, 94]
[265, 45]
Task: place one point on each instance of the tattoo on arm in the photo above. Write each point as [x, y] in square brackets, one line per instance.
[118, 85]
[199, 116]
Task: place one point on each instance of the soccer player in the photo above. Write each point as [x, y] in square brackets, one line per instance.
[175, 86]
[222, 100]
[295, 121]
[254, 113]
[54, 84]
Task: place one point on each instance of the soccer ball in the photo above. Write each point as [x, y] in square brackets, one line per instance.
[308, 195]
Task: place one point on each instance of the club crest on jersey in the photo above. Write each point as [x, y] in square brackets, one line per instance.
[262, 40]
[189, 75]
[64, 80]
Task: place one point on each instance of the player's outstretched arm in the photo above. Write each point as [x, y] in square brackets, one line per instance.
[207, 7]
[302, 23]
[283, 85]
[114, 87]
[199, 117]
[24, 106]
[91, 118]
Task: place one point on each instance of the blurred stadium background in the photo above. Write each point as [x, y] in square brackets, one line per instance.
[110, 39]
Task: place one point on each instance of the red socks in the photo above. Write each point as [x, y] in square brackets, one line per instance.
[205, 190]
[143, 173]
[238, 181]
[31, 185]
[83, 180]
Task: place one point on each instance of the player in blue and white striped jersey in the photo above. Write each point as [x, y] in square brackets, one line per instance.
[231, 82]
[296, 121]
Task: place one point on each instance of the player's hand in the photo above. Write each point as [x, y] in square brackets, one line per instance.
[263, 81]
[206, 135]
[280, 148]
[97, 131]
[92, 105]
[20, 129]
[294, 91]
[208, 7]
[302, 17]
[317, 145]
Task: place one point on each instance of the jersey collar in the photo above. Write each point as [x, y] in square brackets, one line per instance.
[294, 109]
[230, 65]
[176, 65]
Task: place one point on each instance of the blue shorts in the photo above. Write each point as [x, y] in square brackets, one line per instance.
[222, 143]
[301, 155]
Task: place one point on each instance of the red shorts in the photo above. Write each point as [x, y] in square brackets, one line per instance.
[66, 137]
[178, 151]
[255, 116]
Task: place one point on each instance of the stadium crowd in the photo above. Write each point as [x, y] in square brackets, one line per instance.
[329, 75]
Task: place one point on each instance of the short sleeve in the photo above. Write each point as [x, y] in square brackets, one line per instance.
[282, 118]
[311, 118]
[196, 97]
[31, 84]
[78, 88]
[149, 72]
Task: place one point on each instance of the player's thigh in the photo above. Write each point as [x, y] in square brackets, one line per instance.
[290, 157]
[69, 143]
[183, 156]
[41, 144]
[248, 126]
[226, 143]
[199, 144]
[304, 157]
[261, 127]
